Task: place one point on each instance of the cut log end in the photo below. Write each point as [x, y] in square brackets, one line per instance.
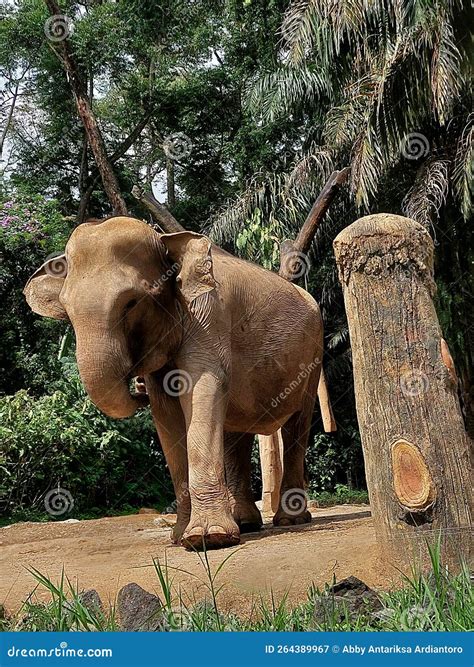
[412, 480]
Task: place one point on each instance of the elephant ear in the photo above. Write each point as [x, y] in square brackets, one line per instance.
[43, 288]
[193, 256]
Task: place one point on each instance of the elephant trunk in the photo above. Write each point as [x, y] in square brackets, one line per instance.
[105, 368]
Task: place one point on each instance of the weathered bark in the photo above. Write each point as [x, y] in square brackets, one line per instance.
[160, 213]
[94, 135]
[416, 450]
[271, 457]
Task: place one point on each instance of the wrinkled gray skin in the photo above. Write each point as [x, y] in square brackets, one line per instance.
[246, 342]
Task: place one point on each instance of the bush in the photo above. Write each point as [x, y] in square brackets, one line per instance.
[62, 440]
[335, 460]
[31, 228]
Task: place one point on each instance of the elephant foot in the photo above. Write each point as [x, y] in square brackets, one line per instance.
[283, 519]
[247, 517]
[211, 535]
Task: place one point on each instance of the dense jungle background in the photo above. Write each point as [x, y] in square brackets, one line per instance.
[234, 113]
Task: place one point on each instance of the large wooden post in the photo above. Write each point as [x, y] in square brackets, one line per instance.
[416, 449]
[271, 463]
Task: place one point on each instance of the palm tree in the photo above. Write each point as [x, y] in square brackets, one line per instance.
[381, 86]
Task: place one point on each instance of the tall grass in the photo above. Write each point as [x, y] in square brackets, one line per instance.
[436, 600]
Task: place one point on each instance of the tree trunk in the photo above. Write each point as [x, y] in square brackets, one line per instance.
[160, 213]
[292, 252]
[94, 135]
[9, 119]
[416, 450]
[116, 155]
[170, 184]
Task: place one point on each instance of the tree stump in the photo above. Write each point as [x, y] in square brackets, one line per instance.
[416, 449]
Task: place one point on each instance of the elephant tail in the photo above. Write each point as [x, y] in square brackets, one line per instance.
[327, 414]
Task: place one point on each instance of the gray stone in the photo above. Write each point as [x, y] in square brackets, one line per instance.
[350, 597]
[91, 601]
[139, 610]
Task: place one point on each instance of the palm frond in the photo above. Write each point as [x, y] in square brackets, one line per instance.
[428, 194]
[464, 167]
[283, 199]
[445, 69]
[277, 93]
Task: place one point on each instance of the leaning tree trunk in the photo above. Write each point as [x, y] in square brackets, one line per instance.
[416, 450]
[91, 127]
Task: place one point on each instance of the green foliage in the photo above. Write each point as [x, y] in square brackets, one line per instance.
[31, 228]
[259, 243]
[62, 440]
[342, 495]
[334, 461]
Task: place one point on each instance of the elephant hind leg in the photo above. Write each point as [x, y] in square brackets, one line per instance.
[292, 508]
[237, 457]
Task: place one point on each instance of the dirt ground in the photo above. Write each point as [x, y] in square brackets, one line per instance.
[108, 553]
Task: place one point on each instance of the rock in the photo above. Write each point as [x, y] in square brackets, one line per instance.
[147, 510]
[91, 601]
[352, 586]
[139, 610]
[350, 597]
[162, 522]
[313, 504]
[69, 521]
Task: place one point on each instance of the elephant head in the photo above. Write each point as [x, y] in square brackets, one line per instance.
[124, 288]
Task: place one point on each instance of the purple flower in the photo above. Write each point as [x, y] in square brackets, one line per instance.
[8, 204]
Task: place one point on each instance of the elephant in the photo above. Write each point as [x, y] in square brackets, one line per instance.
[227, 348]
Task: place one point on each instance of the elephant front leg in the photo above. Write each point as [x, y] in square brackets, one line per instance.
[211, 523]
[170, 425]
